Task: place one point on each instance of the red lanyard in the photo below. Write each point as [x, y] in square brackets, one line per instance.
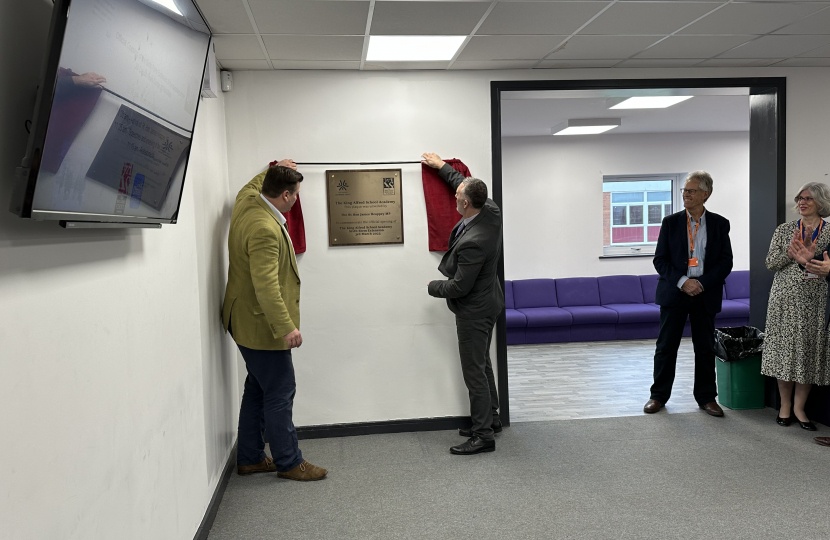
[815, 232]
[692, 237]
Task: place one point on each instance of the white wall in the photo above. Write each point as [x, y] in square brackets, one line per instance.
[553, 195]
[376, 346]
[118, 393]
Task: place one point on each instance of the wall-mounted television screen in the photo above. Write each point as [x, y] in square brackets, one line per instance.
[115, 113]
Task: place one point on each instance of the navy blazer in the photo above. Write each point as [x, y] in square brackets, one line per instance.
[671, 260]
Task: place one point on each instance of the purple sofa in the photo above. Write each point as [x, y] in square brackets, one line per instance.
[601, 309]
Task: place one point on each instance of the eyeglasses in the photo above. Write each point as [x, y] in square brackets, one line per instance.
[803, 199]
[689, 191]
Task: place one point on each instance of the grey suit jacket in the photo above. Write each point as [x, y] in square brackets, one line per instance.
[473, 290]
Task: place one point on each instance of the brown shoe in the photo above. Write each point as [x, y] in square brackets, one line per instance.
[712, 409]
[266, 465]
[304, 472]
[824, 441]
[652, 406]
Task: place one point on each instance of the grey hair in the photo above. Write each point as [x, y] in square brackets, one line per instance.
[475, 191]
[821, 195]
[704, 179]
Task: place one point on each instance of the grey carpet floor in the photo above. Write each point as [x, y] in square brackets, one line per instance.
[661, 476]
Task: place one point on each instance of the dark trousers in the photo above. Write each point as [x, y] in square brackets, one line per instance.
[474, 337]
[266, 409]
[672, 320]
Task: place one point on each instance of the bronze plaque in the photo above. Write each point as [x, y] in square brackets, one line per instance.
[364, 207]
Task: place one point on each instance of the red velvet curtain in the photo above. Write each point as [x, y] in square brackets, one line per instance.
[440, 201]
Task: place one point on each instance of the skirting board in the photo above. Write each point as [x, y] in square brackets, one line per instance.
[210, 514]
[386, 426]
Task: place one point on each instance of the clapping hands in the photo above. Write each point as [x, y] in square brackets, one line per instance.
[802, 252]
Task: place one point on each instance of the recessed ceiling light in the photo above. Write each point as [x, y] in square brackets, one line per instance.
[169, 4]
[412, 48]
[647, 102]
[585, 126]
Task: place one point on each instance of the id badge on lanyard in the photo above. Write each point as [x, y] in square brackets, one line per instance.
[692, 260]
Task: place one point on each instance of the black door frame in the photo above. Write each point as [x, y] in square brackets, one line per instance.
[767, 179]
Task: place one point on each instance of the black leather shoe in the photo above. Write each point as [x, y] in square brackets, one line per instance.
[809, 426]
[475, 445]
[783, 421]
[469, 432]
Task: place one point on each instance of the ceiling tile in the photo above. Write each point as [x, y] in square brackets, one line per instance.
[226, 16]
[805, 62]
[402, 66]
[777, 47]
[541, 18]
[426, 18]
[509, 47]
[310, 17]
[568, 64]
[659, 62]
[311, 64]
[495, 64]
[238, 47]
[603, 47]
[751, 18]
[282, 47]
[821, 52]
[629, 18]
[739, 62]
[693, 46]
[244, 65]
[818, 23]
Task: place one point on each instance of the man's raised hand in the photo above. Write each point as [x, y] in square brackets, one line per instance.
[432, 160]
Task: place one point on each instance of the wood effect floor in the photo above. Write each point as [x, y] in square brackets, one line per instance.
[600, 379]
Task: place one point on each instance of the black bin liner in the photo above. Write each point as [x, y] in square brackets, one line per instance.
[735, 343]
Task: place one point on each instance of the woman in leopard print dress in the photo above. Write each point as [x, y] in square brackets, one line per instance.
[795, 350]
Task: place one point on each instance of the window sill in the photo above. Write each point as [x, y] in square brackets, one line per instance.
[625, 256]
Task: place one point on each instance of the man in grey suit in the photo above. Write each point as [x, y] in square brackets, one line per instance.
[474, 294]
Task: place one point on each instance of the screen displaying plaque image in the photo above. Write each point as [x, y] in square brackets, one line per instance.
[364, 207]
[111, 142]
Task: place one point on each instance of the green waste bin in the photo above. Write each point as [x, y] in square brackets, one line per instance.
[740, 383]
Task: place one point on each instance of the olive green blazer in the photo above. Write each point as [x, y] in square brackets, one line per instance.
[262, 299]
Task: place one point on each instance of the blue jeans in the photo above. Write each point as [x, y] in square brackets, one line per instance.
[266, 410]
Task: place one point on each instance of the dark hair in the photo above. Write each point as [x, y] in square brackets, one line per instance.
[475, 191]
[280, 179]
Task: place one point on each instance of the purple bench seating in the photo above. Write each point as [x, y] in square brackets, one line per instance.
[601, 309]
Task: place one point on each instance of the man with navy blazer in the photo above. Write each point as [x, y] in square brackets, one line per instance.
[476, 297]
[693, 258]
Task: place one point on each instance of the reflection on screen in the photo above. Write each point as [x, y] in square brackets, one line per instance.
[123, 110]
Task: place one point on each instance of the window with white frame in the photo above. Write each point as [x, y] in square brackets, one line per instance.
[633, 209]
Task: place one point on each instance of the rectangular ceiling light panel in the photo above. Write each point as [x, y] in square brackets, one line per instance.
[412, 48]
[585, 126]
[649, 102]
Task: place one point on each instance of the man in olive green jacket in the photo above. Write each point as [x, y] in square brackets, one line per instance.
[262, 312]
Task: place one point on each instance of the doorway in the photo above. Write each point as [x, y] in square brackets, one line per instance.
[629, 218]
